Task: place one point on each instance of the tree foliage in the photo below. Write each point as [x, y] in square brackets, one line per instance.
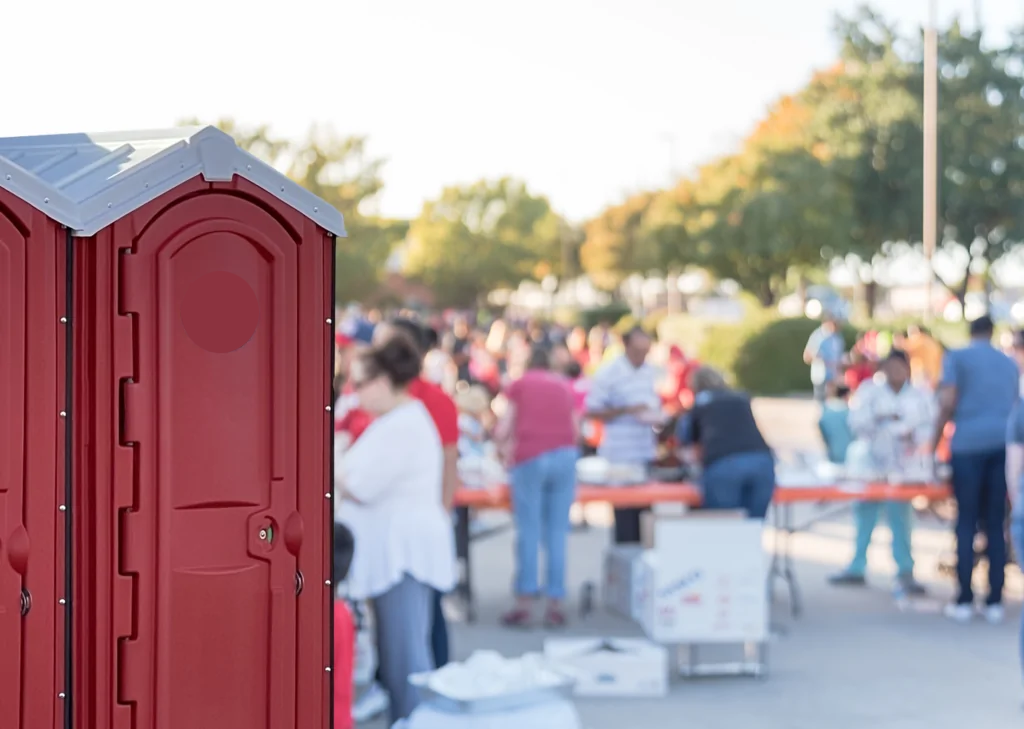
[832, 171]
[483, 236]
[835, 170]
[339, 170]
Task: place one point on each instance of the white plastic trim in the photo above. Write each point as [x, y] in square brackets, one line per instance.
[109, 187]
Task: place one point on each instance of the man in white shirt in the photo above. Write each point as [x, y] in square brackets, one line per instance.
[623, 395]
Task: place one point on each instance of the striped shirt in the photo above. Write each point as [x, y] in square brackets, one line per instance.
[620, 385]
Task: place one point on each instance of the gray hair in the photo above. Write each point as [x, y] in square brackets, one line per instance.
[707, 379]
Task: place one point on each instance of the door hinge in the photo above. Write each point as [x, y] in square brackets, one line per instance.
[130, 404]
[130, 281]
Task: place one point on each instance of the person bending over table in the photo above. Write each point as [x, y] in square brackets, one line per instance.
[389, 486]
[738, 467]
[895, 418]
[623, 397]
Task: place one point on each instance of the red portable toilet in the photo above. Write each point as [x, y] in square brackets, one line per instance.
[201, 346]
[33, 480]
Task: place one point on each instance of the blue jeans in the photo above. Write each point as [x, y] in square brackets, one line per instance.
[1017, 530]
[979, 485]
[898, 514]
[741, 481]
[543, 490]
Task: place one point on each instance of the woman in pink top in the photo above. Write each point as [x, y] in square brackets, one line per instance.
[539, 430]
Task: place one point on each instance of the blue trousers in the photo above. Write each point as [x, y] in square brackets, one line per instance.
[543, 491]
[402, 616]
[1017, 530]
[741, 481]
[898, 514]
[979, 485]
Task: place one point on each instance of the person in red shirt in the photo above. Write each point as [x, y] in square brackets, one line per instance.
[676, 393]
[349, 419]
[577, 344]
[540, 432]
[858, 371]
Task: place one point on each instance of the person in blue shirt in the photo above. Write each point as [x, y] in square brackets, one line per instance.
[977, 393]
[824, 353]
[834, 423]
[1015, 485]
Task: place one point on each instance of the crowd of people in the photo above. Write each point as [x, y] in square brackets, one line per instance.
[416, 399]
[902, 408]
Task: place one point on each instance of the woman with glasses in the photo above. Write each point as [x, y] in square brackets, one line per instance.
[394, 507]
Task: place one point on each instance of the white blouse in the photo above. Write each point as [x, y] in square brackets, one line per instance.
[393, 472]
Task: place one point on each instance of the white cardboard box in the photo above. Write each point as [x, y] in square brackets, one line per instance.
[612, 667]
[622, 580]
[709, 586]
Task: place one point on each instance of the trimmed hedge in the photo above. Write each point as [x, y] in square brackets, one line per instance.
[610, 314]
[771, 361]
[762, 355]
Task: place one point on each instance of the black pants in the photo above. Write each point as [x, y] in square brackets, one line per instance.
[439, 633]
[627, 526]
[979, 485]
[627, 523]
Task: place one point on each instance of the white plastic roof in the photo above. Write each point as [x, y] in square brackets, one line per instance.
[87, 181]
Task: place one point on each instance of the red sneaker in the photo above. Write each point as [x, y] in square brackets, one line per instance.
[555, 618]
[517, 618]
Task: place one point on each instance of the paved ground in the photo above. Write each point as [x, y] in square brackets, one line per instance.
[852, 661]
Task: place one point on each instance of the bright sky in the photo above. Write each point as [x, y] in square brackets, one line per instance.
[584, 99]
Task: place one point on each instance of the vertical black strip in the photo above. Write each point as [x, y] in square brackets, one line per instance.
[69, 274]
[330, 469]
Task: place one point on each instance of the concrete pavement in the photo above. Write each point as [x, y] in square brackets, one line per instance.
[852, 661]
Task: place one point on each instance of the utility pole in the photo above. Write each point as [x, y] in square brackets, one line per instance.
[931, 151]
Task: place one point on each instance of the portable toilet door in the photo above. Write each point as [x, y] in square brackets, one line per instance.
[33, 484]
[203, 308]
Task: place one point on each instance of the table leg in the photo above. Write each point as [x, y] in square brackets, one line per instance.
[781, 566]
[789, 574]
[462, 552]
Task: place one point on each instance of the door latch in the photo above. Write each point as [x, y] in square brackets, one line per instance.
[300, 582]
[26, 601]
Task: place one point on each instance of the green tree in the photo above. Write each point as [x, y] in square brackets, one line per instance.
[981, 147]
[617, 243]
[778, 212]
[339, 170]
[479, 237]
[868, 119]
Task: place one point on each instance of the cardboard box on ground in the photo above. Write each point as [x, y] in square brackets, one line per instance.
[704, 579]
[697, 578]
[612, 667]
